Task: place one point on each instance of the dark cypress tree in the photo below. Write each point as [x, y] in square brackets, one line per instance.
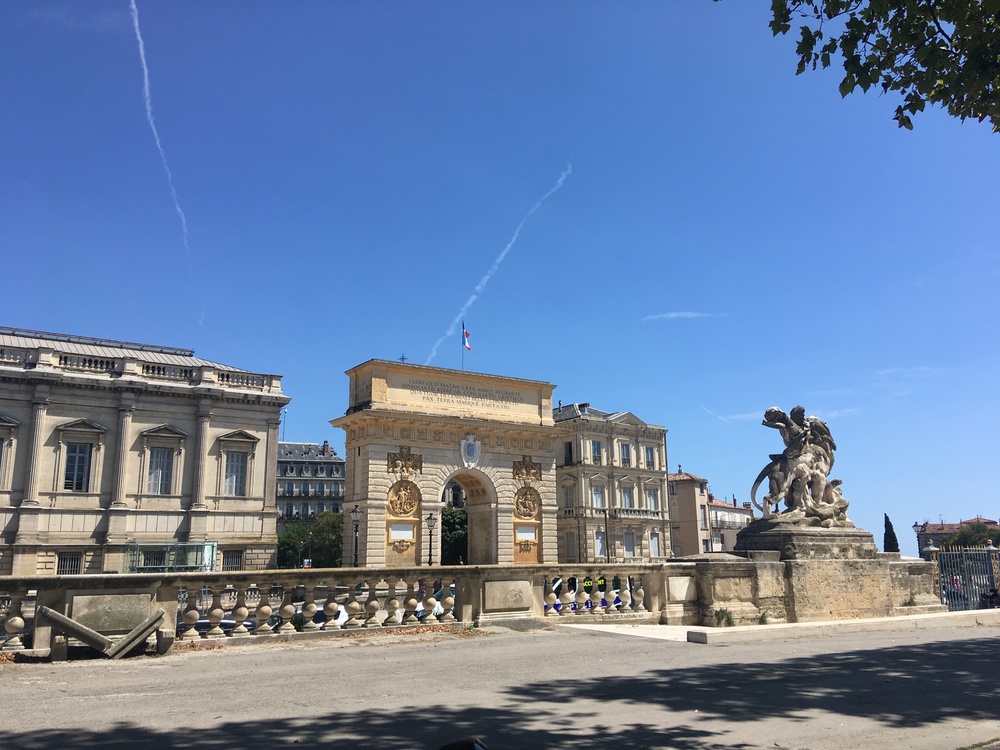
[889, 542]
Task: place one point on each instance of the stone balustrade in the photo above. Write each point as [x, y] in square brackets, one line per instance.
[262, 604]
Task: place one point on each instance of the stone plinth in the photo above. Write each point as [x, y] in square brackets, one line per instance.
[807, 542]
[830, 574]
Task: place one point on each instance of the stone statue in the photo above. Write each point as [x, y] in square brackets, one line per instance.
[798, 476]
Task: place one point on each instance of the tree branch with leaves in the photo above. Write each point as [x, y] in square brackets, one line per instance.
[943, 52]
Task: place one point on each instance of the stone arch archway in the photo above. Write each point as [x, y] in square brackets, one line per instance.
[481, 512]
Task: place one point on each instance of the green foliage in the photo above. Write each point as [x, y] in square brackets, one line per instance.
[973, 534]
[454, 536]
[723, 618]
[911, 602]
[320, 539]
[762, 620]
[889, 541]
[944, 52]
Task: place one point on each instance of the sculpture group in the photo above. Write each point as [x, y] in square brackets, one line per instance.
[798, 477]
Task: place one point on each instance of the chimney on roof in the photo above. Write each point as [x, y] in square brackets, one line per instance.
[326, 447]
[679, 469]
[584, 406]
[734, 501]
[560, 403]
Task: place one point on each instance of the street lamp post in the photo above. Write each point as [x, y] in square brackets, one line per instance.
[431, 523]
[356, 517]
[916, 530]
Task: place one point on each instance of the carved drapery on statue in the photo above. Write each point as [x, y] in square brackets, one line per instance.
[798, 478]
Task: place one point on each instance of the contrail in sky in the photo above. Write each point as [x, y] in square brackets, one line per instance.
[152, 123]
[496, 264]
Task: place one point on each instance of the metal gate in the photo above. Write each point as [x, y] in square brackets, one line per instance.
[967, 576]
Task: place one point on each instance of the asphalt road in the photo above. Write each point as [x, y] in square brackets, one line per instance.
[560, 687]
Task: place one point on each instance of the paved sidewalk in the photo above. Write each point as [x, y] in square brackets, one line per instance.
[625, 687]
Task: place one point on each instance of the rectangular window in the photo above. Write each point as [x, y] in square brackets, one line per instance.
[629, 544]
[154, 558]
[320, 508]
[161, 464]
[652, 499]
[569, 496]
[304, 510]
[232, 559]
[305, 489]
[654, 544]
[236, 474]
[626, 452]
[69, 563]
[321, 489]
[595, 452]
[567, 453]
[626, 497]
[570, 546]
[703, 510]
[597, 491]
[704, 545]
[673, 488]
[78, 467]
[289, 510]
[650, 457]
[289, 489]
[599, 547]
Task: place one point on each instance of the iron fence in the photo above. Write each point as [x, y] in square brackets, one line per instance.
[967, 576]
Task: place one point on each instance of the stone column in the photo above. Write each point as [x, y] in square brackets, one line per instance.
[198, 513]
[40, 405]
[125, 409]
[201, 453]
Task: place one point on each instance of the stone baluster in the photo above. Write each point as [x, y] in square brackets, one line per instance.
[331, 609]
[372, 607]
[309, 611]
[191, 616]
[353, 608]
[595, 601]
[566, 600]
[609, 600]
[550, 604]
[392, 606]
[430, 602]
[13, 625]
[410, 603]
[638, 595]
[581, 602]
[287, 612]
[215, 615]
[262, 614]
[448, 603]
[240, 614]
[626, 597]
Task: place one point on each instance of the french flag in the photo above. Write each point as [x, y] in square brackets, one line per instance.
[465, 338]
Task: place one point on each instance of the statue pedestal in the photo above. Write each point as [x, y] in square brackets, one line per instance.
[806, 542]
[834, 574]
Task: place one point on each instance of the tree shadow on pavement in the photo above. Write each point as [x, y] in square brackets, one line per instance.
[904, 686]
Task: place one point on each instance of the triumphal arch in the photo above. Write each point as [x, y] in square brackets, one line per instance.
[414, 431]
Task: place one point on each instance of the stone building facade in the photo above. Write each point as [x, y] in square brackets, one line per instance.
[310, 480]
[413, 430]
[726, 520]
[691, 532]
[611, 480]
[112, 453]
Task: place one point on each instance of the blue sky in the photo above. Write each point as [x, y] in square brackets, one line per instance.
[726, 236]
